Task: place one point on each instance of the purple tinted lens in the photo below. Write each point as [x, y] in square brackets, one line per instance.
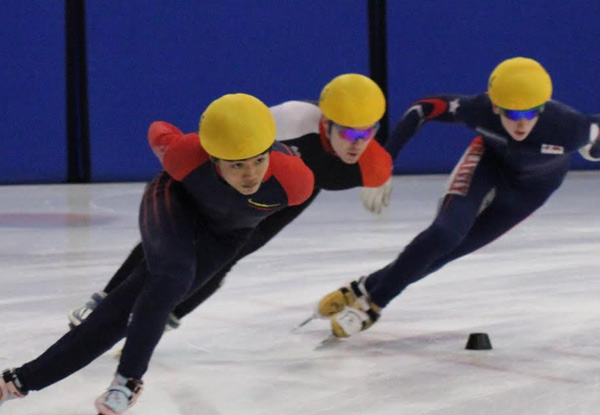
[517, 115]
[352, 134]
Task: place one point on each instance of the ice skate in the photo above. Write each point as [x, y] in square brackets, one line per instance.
[10, 386]
[173, 323]
[353, 319]
[120, 396]
[350, 309]
[346, 296]
[335, 302]
[77, 316]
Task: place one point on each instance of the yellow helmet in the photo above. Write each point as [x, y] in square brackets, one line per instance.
[352, 100]
[519, 84]
[236, 127]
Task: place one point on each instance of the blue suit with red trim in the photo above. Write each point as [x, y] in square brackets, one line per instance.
[497, 183]
[192, 223]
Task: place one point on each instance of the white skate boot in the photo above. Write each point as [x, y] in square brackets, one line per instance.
[120, 396]
[77, 316]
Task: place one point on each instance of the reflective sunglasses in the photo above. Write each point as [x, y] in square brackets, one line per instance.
[515, 115]
[353, 134]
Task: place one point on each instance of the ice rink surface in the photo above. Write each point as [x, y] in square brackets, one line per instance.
[536, 292]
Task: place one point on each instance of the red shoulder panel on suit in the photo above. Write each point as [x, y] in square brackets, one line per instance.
[297, 180]
[375, 165]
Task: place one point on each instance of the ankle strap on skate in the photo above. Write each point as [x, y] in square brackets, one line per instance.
[134, 385]
[373, 315]
[10, 376]
[121, 395]
[356, 289]
[366, 304]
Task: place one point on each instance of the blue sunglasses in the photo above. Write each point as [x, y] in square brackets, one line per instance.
[516, 115]
[353, 134]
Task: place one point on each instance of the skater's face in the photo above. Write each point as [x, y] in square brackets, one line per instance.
[350, 143]
[245, 176]
[518, 124]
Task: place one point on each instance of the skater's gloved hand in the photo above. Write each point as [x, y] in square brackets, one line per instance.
[120, 396]
[376, 198]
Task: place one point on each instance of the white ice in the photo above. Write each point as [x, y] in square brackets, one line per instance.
[535, 292]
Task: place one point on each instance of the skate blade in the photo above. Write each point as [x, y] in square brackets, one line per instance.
[328, 341]
[302, 324]
[199, 348]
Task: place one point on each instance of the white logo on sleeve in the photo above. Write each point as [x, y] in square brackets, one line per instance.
[453, 106]
[552, 149]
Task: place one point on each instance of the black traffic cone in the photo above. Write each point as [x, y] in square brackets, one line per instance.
[478, 341]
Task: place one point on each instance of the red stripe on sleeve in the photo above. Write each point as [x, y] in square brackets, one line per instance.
[168, 201]
[296, 179]
[155, 197]
[145, 211]
[439, 107]
[375, 165]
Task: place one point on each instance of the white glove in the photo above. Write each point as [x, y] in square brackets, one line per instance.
[376, 198]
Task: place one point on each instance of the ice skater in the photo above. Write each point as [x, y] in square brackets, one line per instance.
[519, 159]
[215, 189]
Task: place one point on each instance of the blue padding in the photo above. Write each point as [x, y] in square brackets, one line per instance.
[157, 60]
[451, 47]
[32, 81]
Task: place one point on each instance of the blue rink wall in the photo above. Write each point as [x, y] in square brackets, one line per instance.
[159, 60]
[32, 92]
[452, 46]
